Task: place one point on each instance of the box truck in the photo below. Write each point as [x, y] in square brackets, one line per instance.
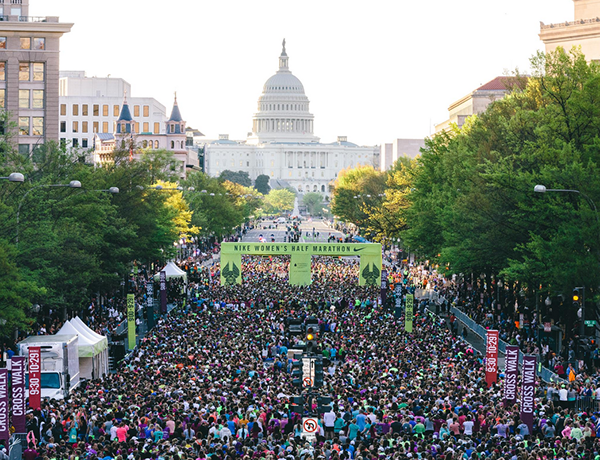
[59, 363]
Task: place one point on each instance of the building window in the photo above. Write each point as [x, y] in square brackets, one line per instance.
[84, 143]
[173, 146]
[38, 71]
[38, 98]
[84, 126]
[38, 126]
[23, 98]
[75, 110]
[155, 144]
[25, 43]
[63, 109]
[63, 126]
[2, 100]
[146, 111]
[96, 110]
[24, 126]
[24, 149]
[247, 164]
[136, 110]
[84, 110]
[39, 44]
[137, 127]
[156, 128]
[2, 71]
[116, 111]
[95, 127]
[105, 110]
[75, 142]
[3, 43]
[75, 126]
[105, 126]
[24, 71]
[146, 127]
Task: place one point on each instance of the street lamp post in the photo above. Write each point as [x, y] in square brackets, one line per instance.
[14, 177]
[72, 184]
[542, 189]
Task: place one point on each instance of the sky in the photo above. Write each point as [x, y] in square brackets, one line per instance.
[373, 71]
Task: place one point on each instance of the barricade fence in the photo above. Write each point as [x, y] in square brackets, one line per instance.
[543, 372]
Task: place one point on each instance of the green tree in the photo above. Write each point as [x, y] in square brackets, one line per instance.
[357, 193]
[278, 201]
[261, 184]
[313, 202]
[239, 177]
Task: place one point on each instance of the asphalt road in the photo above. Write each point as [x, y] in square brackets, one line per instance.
[278, 231]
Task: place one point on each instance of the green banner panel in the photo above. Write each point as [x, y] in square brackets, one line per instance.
[300, 269]
[323, 249]
[370, 270]
[131, 321]
[409, 312]
[231, 268]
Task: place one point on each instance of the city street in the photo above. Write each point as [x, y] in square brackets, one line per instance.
[279, 232]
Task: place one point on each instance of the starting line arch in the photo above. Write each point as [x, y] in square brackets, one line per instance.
[300, 263]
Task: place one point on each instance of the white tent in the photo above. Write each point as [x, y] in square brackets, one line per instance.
[97, 366]
[172, 271]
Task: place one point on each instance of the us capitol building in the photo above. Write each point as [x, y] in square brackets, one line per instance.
[282, 144]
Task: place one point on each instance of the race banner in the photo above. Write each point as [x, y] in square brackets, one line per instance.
[511, 373]
[163, 292]
[528, 390]
[4, 423]
[18, 393]
[369, 254]
[150, 304]
[131, 321]
[398, 309]
[384, 286]
[35, 377]
[491, 357]
[409, 312]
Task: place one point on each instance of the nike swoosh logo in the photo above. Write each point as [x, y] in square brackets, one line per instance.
[356, 250]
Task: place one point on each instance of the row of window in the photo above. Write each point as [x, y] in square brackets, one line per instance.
[31, 126]
[315, 188]
[105, 110]
[96, 126]
[31, 98]
[265, 106]
[75, 142]
[27, 43]
[28, 71]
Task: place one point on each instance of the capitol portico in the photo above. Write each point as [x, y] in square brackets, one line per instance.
[282, 144]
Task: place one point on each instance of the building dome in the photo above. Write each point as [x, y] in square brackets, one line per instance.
[283, 83]
[283, 109]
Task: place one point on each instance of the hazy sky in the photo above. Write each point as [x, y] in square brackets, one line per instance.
[373, 71]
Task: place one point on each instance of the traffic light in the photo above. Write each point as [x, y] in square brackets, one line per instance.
[579, 301]
[297, 373]
[297, 405]
[318, 383]
[311, 336]
[324, 404]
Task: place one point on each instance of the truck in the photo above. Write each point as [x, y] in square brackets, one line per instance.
[59, 363]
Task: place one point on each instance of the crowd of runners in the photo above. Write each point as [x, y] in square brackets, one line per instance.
[213, 381]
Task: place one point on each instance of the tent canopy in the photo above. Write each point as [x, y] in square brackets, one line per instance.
[83, 330]
[172, 271]
[86, 346]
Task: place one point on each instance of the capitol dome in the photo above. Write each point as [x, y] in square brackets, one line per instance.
[283, 109]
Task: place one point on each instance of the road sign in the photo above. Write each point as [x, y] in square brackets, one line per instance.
[310, 428]
[308, 372]
[590, 322]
